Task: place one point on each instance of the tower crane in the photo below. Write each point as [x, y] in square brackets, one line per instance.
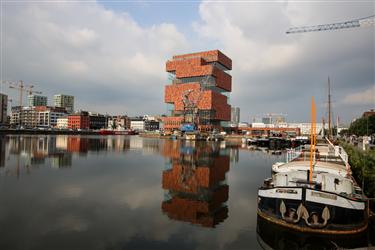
[21, 87]
[355, 23]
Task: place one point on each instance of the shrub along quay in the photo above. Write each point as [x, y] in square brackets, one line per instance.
[363, 167]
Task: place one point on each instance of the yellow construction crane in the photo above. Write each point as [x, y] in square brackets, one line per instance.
[356, 23]
[21, 87]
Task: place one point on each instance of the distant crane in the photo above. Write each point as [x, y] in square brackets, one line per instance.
[21, 87]
[356, 23]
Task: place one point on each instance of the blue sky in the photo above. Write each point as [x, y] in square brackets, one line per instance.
[111, 55]
[151, 13]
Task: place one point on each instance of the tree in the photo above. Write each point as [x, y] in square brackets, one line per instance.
[363, 126]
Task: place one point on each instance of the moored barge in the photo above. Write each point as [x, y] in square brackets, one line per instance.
[314, 191]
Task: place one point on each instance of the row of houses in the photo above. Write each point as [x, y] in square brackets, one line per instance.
[88, 120]
[58, 117]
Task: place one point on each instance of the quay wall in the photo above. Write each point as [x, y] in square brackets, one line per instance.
[44, 132]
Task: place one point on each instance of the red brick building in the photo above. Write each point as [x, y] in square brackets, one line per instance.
[369, 113]
[198, 91]
[79, 121]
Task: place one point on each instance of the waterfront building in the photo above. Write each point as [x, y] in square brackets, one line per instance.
[199, 90]
[24, 116]
[79, 120]
[62, 122]
[152, 125]
[29, 117]
[234, 116]
[97, 121]
[137, 125]
[118, 122]
[65, 101]
[36, 116]
[146, 123]
[3, 109]
[305, 127]
[37, 100]
[47, 116]
[262, 125]
[243, 124]
[48, 119]
[15, 115]
[273, 119]
[369, 113]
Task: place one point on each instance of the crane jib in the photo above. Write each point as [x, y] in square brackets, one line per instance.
[362, 22]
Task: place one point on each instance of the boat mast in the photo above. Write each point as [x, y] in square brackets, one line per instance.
[329, 110]
[312, 138]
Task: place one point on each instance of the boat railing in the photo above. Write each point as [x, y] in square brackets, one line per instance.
[338, 151]
[293, 153]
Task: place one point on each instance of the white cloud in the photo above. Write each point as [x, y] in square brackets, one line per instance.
[82, 37]
[279, 70]
[364, 97]
[88, 51]
[110, 62]
[76, 67]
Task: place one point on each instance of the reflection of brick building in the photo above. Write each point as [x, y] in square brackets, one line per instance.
[195, 184]
[77, 144]
[201, 79]
[200, 212]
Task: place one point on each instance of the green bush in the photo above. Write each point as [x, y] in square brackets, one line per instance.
[363, 166]
[362, 126]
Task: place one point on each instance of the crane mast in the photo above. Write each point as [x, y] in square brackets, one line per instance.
[21, 87]
[356, 23]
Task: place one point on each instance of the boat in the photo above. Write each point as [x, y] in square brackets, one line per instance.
[106, 132]
[273, 236]
[125, 132]
[313, 191]
[116, 132]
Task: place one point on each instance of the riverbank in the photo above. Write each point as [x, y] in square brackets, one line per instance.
[45, 132]
[363, 167]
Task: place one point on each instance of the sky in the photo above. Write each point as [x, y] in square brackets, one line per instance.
[111, 54]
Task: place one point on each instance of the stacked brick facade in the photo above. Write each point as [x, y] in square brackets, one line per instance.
[204, 76]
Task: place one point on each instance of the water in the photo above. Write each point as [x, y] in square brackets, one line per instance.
[127, 192]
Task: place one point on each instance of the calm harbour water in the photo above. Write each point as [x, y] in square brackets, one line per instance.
[127, 192]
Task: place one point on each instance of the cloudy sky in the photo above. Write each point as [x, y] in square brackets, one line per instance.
[111, 55]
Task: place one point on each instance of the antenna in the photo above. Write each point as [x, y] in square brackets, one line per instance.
[329, 110]
[312, 138]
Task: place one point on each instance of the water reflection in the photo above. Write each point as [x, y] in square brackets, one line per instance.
[2, 151]
[195, 186]
[32, 151]
[127, 192]
[271, 236]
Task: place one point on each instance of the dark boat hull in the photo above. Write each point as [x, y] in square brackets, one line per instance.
[346, 216]
[273, 236]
